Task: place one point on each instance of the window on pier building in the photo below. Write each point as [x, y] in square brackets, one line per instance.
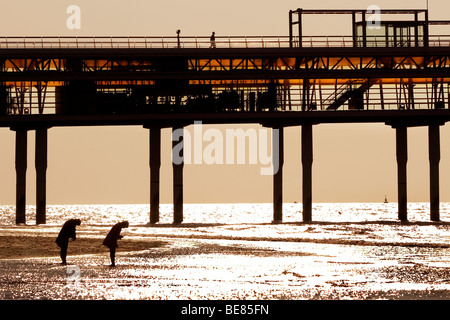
[371, 27]
[390, 34]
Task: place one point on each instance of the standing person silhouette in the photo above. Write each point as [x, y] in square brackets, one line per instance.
[213, 40]
[111, 240]
[67, 231]
[178, 38]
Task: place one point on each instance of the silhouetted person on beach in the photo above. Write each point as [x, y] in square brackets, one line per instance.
[178, 38]
[111, 240]
[213, 40]
[67, 231]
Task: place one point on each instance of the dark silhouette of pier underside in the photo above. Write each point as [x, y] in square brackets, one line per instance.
[397, 75]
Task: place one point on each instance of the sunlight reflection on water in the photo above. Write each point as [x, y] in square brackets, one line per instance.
[352, 251]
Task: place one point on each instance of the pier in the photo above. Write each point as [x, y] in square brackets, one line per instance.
[396, 74]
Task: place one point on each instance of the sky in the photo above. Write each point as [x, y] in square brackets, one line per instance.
[110, 165]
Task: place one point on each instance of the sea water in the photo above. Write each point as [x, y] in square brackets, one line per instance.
[233, 213]
[376, 222]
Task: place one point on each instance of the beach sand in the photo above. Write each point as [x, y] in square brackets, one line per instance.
[17, 246]
[174, 264]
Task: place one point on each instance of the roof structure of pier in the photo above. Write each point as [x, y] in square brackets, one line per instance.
[401, 73]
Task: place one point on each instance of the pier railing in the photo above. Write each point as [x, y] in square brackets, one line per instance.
[132, 42]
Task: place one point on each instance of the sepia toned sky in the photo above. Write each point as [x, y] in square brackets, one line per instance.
[105, 165]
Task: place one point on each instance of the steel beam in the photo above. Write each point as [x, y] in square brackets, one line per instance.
[307, 160]
[434, 157]
[402, 159]
[226, 75]
[155, 164]
[277, 162]
[21, 174]
[177, 164]
[41, 175]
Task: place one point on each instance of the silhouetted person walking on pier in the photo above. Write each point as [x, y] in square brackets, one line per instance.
[178, 38]
[67, 231]
[213, 40]
[111, 240]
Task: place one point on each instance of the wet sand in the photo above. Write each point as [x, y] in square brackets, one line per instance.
[166, 263]
[19, 247]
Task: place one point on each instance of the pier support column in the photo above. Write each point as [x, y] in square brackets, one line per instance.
[21, 174]
[278, 161]
[307, 160]
[41, 175]
[177, 163]
[155, 165]
[402, 159]
[435, 157]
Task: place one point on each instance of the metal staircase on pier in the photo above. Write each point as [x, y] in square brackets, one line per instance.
[348, 92]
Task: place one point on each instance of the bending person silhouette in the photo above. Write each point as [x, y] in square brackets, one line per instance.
[67, 231]
[111, 240]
